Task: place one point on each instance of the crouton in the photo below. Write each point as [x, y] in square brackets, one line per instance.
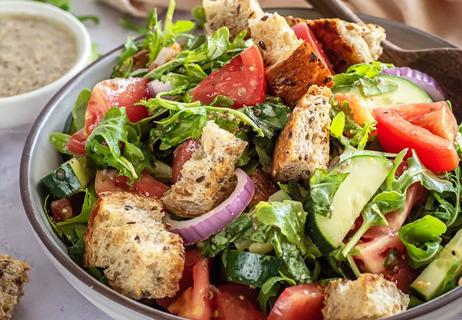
[367, 298]
[274, 36]
[13, 275]
[234, 14]
[303, 144]
[290, 79]
[126, 237]
[208, 177]
[347, 43]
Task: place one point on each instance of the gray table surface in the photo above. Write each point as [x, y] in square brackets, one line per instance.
[47, 295]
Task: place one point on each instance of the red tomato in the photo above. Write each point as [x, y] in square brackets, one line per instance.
[62, 209]
[302, 302]
[196, 302]
[303, 32]
[401, 273]
[191, 257]
[108, 180]
[231, 302]
[396, 133]
[116, 93]
[150, 187]
[264, 187]
[182, 154]
[359, 113]
[76, 143]
[242, 79]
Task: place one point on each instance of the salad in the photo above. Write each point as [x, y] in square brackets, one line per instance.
[251, 165]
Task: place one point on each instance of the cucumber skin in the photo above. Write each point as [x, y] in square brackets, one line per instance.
[315, 234]
[249, 268]
[70, 184]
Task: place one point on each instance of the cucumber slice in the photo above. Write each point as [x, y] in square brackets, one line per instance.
[366, 175]
[68, 179]
[406, 93]
[249, 268]
[445, 270]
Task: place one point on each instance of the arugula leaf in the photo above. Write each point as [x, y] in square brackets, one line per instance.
[323, 186]
[103, 146]
[124, 65]
[78, 112]
[65, 5]
[294, 263]
[59, 141]
[422, 239]
[357, 72]
[270, 116]
[131, 25]
[337, 126]
[186, 120]
[199, 15]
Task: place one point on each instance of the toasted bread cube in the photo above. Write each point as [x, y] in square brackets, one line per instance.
[234, 14]
[303, 144]
[13, 275]
[208, 177]
[369, 297]
[126, 237]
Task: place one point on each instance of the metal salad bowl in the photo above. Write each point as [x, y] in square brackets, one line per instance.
[39, 158]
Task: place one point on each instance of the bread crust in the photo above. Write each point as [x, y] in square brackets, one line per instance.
[127, 238]
[290, 79]
[13, 276]
[208, 177]
[303, 144]
[367, 298]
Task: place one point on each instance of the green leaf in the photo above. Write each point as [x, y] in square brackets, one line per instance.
[59, 141]
[103, 146]
[271, 116]
[91, 18]
[357, 72]
[218, 43]
[78, 112]
[124, 65]
[323, 186]
[422, 239]
[376, 86]
[199, 15]
[292, 257]
[270, 290]
[338, 125]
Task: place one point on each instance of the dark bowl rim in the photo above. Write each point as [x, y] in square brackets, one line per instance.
[108, 292]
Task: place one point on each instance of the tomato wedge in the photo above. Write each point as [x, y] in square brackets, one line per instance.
[233, 301]
[242, 79]
[182, 154]
[302, 302]
[303, 32]
[419, 127]
[359, 113]
[196, 302]
[76, 143]
[116, 93]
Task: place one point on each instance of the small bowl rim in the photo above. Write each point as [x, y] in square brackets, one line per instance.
[107, 292]
[78, 31]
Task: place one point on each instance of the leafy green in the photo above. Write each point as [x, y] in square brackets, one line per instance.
[78, 112]
[72, 230]
[199, 15]
[294, 263]
[323, 186]
[59, 141]
[392, 194]
[156, 37]
[343, 124]
[363, 76]
[186, 120]
[270, 290]
[270, 116]
[132, 25]
[422, 239]
[103, 146]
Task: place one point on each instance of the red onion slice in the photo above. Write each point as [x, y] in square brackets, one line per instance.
[420, 79]
[217, 219]
[155, 87]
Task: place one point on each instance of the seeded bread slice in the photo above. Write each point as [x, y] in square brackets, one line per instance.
[367, 298]
[126, 237]
[274, 36]
[13, 275]
[290, 79]
[234, 14]
[208, 177]
[347, 43]
[303, 144]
